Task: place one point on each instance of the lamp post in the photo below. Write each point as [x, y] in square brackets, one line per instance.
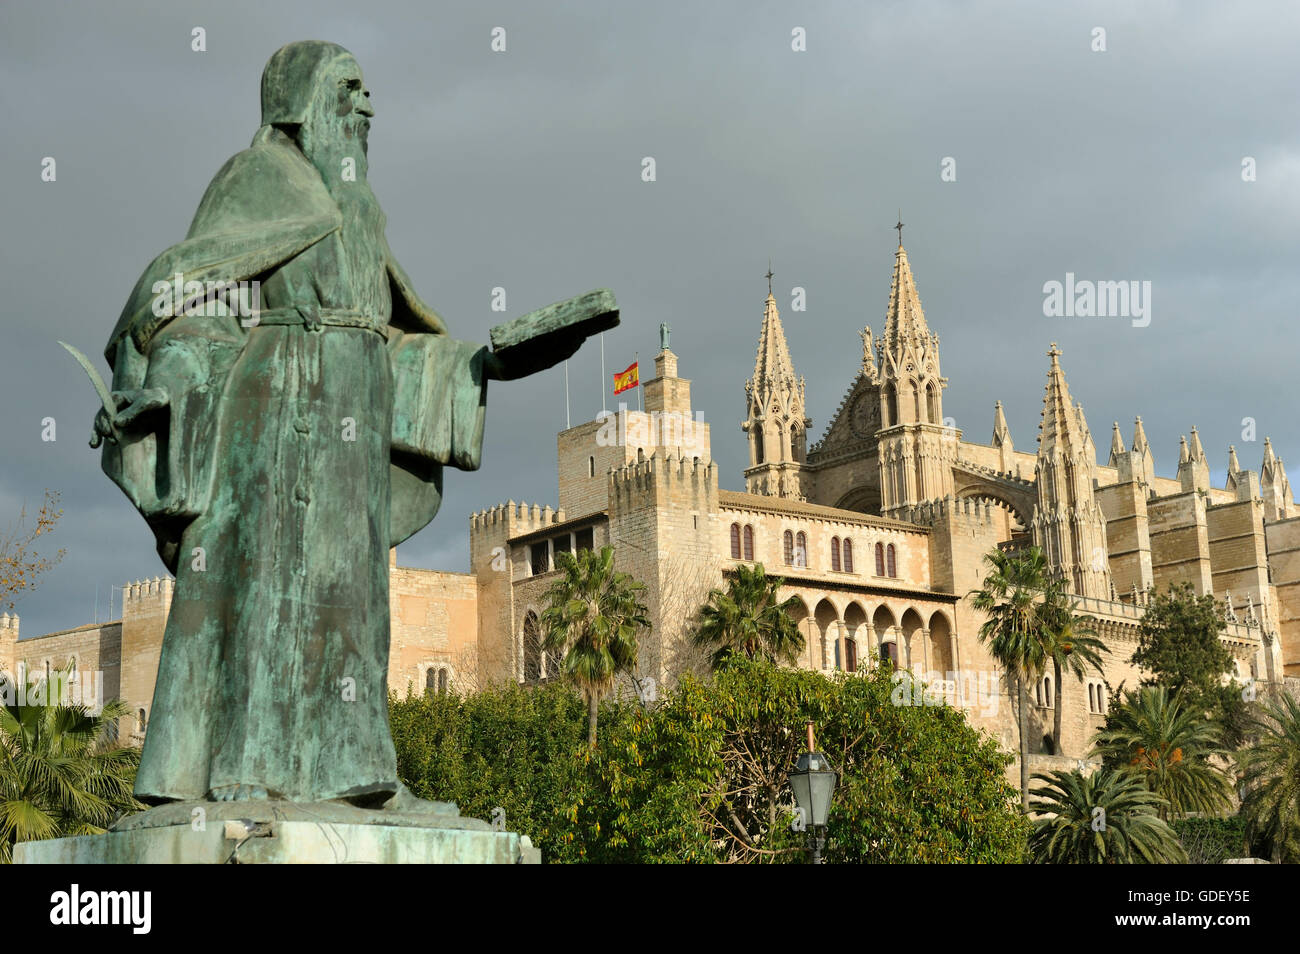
[813, 782]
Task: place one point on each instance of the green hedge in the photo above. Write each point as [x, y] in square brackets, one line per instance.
[701, 776]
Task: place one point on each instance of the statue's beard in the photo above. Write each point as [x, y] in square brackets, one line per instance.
[328, 139]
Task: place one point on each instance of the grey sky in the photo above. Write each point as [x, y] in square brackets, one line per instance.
[522, 169]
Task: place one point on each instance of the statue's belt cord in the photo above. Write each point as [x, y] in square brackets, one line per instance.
[336, 318]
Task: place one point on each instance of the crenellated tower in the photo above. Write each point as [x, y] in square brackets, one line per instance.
[917, 451]
[775, 419]
[1068, 524]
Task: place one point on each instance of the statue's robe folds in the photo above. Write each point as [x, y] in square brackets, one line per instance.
[284, 466]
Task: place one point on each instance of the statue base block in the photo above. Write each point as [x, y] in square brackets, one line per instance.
[286, 833]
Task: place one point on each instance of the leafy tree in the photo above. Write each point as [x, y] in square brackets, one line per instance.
[1168, 746]
[593, 616]
[1014, 583]
[703, 775]
[1271, 775]
[62, 772]
[511, 752]
[1070, 643]
[748, 619]
[21, 566]
[1108, 817]
[1179, 646]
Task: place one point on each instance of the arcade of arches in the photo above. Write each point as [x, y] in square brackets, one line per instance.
[847, 631]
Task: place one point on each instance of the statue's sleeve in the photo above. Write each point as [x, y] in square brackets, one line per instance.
[439, 405]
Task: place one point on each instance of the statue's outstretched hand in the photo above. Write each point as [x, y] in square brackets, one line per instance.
[130, 406]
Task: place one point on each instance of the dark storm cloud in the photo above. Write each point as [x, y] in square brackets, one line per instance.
[522, 170]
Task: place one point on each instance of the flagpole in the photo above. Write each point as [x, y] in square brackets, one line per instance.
[602, 373]
[567, 423]
[636, 355]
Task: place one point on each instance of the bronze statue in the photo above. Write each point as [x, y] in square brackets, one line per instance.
[277, 454]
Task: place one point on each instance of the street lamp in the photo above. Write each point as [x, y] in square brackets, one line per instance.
[813, 782]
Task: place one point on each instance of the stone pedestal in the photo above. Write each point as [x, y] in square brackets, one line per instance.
[266, 832]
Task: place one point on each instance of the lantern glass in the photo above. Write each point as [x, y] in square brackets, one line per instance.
[813, 782]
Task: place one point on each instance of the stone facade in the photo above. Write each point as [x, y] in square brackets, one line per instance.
[879, 530]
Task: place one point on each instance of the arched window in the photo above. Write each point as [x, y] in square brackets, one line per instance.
[880, 559]
[430, 681]
[139, 720]
[891, 568]
[891, 401]
[532, 648]
[835, 553]
[848, 555]
[591, 467]
[1038, 694]
[800, 549]
[787, 546]
[932, 402]
[1101, 699]
[850, 655]
[1047, 690]
[758, 445]
[735, 541]
[442, 681]
[794, 444]
[749, 542]
[1092, 698]
[916, 401]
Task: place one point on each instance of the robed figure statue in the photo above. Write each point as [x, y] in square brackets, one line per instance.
[278, 456]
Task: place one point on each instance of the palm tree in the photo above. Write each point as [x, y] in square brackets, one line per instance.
[1271, 773]
[1070, 643]
[1169, 748]
[1013, 584]
[748, 619]
[593, 616]
[62, 772]
[1108, 817]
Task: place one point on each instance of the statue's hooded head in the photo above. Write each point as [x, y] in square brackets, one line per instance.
[317, 89]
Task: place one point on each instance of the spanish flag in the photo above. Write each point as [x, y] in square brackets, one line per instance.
[627, 379]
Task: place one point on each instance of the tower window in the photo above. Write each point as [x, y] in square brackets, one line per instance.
[591, 466]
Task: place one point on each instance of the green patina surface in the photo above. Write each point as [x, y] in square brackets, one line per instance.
[277, 456]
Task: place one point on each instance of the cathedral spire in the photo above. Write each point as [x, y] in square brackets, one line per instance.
[1064, 430]
[1144, 462]
[773, 362]
[1276, 489]
[904, 320]
[917, 449]
[1068, 524]
[1001, 433]
[775, 420]
[1193, 468]
[1116, 445]
[1234, 467]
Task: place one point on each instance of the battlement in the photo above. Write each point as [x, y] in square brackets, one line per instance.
[655, 480]
[972, 510]
[9, 625]
[515, 518]
[141, 590]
